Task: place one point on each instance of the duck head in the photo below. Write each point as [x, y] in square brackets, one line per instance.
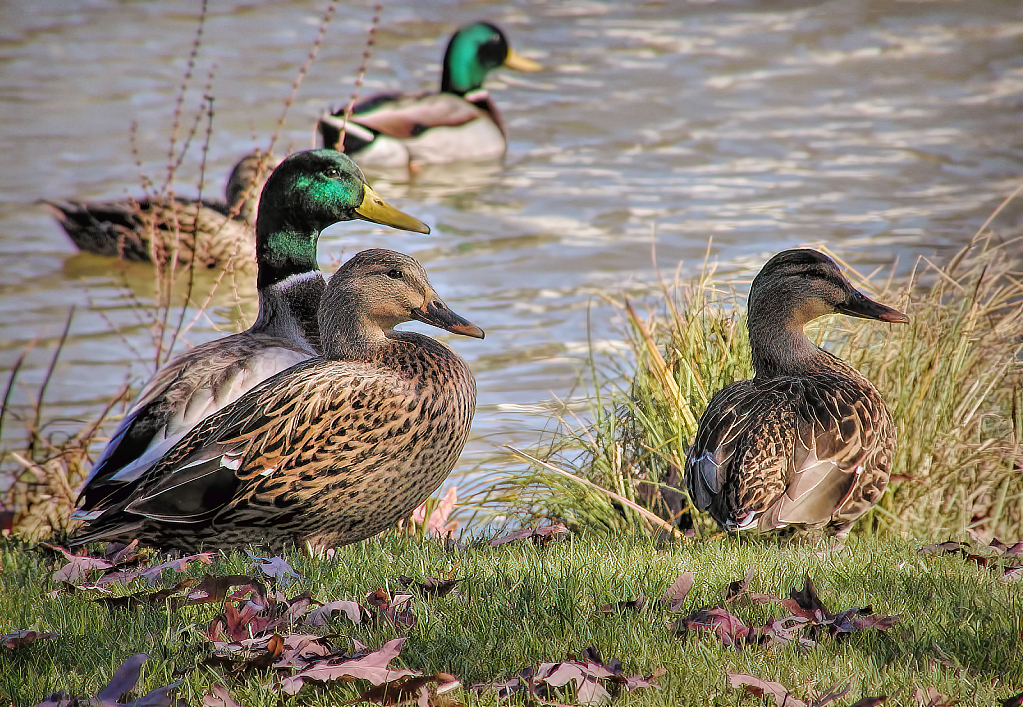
[473, 52]
[374, 292]
[305, 194]
[796, 287]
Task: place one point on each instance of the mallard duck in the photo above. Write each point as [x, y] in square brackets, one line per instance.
[212, 232]
[332, 450]
[459, 123]
[306, 193]
[808, 442]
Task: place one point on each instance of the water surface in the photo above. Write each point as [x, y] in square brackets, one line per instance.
[885, 130]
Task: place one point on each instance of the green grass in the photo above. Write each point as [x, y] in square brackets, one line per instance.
[520, 604]
[951, 377]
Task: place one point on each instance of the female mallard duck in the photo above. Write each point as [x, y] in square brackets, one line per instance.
[334, 449]
[459, 123]
[208, 232]
[808, 442]
[306, 193]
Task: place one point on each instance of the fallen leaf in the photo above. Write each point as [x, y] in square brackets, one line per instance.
[729, 629]
[1014, 701]
[372, 667]
[430, 585]
[275, 567]
[540, 536]
[130, 601]
[409, 688]
[220, 698]
[737, 588]
[587, 690]
[397, 608]
[930, 697]
[634, 605]
[676, 593]
[355, 612]
[23, 638]
[869, 701]
[123, 681]
[151, 574]
[78, 566]
[775, 690]
[214, 588]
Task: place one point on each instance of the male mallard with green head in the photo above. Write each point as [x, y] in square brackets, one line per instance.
[808, 442]
[459, 123]
[332, 450]
[306, 193]
[208, 232]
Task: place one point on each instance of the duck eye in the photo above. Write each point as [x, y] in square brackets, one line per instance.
[334, 173]
[394, 274]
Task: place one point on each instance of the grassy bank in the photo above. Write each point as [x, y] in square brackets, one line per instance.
[951, 377]
[520, 604]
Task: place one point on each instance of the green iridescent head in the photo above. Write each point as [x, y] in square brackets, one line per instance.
[472, 52]
[308, 192]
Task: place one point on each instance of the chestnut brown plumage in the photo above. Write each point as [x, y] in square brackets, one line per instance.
[808, 442]
[332, 450]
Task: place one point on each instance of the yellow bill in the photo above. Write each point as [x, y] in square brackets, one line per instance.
[375, 209]
[521, 63]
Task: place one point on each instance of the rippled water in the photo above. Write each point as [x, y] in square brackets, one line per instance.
[882, 129]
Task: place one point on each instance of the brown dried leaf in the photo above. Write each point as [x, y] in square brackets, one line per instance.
[758, 687]
[23, 638]
[409, 688]
[676, 593]
[726, 626]
[397, 608]
[540, 536]
[430, 585]
[355, 612]
[930, 697]
[275, 567]
[143, 598]
[1014, 701]
[151, 574]
[372, 667]
[214, 588]
[220, 698]
[634, 605]
[737, 588]
[583, 675]
[78, 566]
[870, 701]
[123, 681]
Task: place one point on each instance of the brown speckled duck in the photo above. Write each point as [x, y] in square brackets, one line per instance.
[808, 442]
[332, 450]
[308, 192]
[212, 233]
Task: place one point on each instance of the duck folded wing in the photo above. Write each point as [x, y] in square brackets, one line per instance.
[294, 419]
[825, 460]
[717, 452]
[173, 401]
[410, 116]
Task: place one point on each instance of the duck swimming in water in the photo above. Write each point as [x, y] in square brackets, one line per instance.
[808, 442]
[306, 193]
[460, 122]
[332, 450]
[207, 232]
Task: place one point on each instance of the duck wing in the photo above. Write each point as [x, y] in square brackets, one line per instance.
[787, 451]
[275, 427]
[402, 117]
[841, 458]
[737, 460]
[187, 390]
